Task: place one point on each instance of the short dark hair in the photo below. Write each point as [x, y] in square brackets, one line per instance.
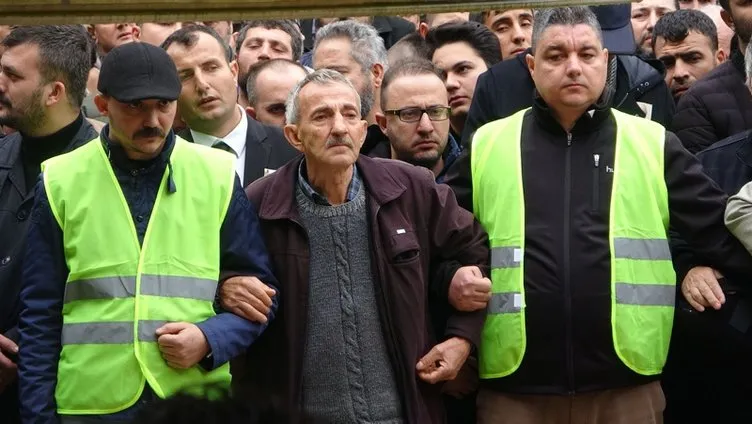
[257, 68]
[409, 68]
[676, 26]
[65, 54]
[725, 4]
[287, 25]
[187, 37]
[480, 38]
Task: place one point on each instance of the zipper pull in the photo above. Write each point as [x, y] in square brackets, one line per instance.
[569, 139]
[596, 159]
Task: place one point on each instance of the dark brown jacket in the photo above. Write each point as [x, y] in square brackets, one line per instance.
[436, 231]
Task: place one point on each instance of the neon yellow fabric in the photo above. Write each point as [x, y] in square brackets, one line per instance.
[118, 292]
[642, 275]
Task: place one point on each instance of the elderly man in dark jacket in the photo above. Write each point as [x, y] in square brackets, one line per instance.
[354, 241]
[56, 127]
[637, 86]
[718, 106]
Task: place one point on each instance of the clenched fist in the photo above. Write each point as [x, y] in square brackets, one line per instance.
[182, 344]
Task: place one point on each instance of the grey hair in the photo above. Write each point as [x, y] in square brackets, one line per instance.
[569, 16]
[367, 46]
[320, 77]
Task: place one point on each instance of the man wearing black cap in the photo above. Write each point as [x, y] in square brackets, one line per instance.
[128, 237]
[637, 86]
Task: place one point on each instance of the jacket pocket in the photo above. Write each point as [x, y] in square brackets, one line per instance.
[403, 248]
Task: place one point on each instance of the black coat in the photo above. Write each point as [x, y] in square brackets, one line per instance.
[16, 200]
[265, 148]
[507, 88]
[567, 203]
[716, 107]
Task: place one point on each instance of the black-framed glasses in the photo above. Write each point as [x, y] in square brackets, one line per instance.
[413, 114]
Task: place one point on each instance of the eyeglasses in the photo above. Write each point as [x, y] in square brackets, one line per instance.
[413, 114]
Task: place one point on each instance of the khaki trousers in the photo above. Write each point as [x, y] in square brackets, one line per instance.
[635, 405]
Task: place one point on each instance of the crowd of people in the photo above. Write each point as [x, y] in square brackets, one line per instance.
[516, 216]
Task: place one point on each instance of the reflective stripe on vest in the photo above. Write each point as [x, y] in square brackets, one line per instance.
[120, 291]
[642, 276]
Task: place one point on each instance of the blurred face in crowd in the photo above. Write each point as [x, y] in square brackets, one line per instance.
[422, 140]
[139, 127]
[208, 98]
[437, 19]
[223, 28]
[644, 16]
[687, 61]
[569, 69]
[156, 33]
[740, 20]
[463, 65]
[725, 34]
[329, 130]
[694, 4]
[109, 36]
[262, 44]
[413, 19]
[273, 85]
[336, 54]
[23, 91]
[514, 29]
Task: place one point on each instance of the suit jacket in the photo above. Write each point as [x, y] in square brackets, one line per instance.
[265, 148]
[16, 200]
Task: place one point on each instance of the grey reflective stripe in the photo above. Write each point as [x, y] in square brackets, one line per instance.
[504, 257]
[503, 303]
[109, 332]
[650, 249]
[147, 330]
[172, 286]
[98, 333]
[100, 288]
[645, 294]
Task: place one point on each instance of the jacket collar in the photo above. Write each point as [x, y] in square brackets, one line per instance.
[590, 121]
[744, 152]
[381, 187]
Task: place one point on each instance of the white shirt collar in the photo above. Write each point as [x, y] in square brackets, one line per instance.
[235, 139]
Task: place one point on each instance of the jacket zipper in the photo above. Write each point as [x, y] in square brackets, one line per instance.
[567, 288]
[596, 183]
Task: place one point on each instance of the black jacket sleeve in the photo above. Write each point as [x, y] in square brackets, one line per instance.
[697, 206]
[481, 108]
[692, 123]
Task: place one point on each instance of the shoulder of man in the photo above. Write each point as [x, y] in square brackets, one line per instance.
[10, 149]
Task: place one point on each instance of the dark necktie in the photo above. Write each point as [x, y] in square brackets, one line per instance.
[221, 145]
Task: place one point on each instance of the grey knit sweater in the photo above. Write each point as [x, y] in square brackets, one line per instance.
[347, 375]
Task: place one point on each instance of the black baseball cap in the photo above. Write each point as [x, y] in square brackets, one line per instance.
[138, 71]
[616, 26]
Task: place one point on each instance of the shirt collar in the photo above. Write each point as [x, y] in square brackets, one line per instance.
[235, 139]
[318, 198]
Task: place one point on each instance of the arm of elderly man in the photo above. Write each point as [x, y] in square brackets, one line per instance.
[45, 273]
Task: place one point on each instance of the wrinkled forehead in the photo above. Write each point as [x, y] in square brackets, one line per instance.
[330, 95]
[569, 38]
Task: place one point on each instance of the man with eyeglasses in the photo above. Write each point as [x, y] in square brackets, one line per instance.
[415, 116]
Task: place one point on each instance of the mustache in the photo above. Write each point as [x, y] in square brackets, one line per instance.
[149, 132]
[342, 141]
[5, 101]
